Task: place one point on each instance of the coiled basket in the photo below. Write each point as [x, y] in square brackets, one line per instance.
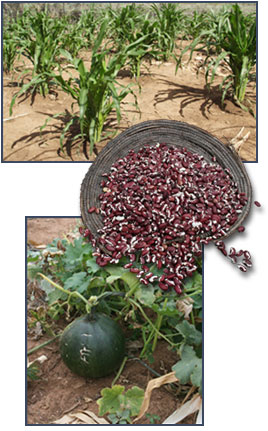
[173, 133]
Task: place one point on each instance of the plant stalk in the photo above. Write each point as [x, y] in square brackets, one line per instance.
[34, 349]
[77, 294]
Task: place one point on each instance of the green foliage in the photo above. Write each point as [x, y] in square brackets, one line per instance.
[190, 334]
[166, 25]
[120, 405]
[10, 51]
[152, 418]
[149, 313]
[189, 368]
[96, 91]
[33, 372]
[38, 38]
[76, 271]
[230, 40]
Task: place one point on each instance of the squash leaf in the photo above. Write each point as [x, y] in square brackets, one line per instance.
[134, 398]
[79, 281]
[124, 404]
[145, 294]
[189, 368]
[111, 399]
[190, 334]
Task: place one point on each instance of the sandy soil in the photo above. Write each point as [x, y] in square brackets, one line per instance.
[58, 391]
[163, 95]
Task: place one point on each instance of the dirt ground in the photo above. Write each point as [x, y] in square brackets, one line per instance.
[58, 391]
[163, 95]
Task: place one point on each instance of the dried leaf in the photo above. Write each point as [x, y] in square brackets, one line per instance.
[41, 359]
[81, 417]
[185, 410]
[152, 384]
[185, 306]
[236, 142]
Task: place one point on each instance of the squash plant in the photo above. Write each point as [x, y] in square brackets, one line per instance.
[73, 283]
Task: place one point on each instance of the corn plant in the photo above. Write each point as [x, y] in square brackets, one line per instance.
[166, 22]
[10, 51]
[38, 38]
[89, 23]
[238, 44]
[196, 23]
[230, 41]
[96, 91]
[142, 37]
[122, 21]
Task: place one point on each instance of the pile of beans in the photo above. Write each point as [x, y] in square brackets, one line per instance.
[159, 205]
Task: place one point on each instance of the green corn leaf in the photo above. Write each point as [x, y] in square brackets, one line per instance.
[34, 81]
[83, 100]
[116, 101]
[92, 133]
[66, 54]
[224, 87]
[214, 66]
[37, 54]
[65, 130]
[82, 72]
[101, 34]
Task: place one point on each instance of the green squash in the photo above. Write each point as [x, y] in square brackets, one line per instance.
[93, 345]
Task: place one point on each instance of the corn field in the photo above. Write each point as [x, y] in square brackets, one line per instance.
[49, 41]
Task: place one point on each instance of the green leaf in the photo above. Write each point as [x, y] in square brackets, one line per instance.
[191, 335]
[134, 398]
[197, 277]
[92, 266]
[115, 270]
[111, 399]
[74, 252]
[96, 282]
[168, 308]
[196, 376]
[46, 287]
[189, 368]
[66, 54]
[83, 96]
[111, 278]
[55, 296]
[145, 295]
[79, 281]
[131, 279]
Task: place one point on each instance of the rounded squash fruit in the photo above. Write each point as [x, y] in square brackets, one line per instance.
[92, 345]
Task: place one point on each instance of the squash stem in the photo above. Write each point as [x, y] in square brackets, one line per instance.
[34, 349]
[88, 305]
[151, 323]
[120, 370]
[158, 326]
[146, 342]
[132, 290]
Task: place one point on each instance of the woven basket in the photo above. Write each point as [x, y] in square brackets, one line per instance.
[173, 133]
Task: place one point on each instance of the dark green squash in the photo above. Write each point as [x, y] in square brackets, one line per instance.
[93, 345]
